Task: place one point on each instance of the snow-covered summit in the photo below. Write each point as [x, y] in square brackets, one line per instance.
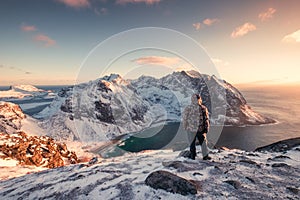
[28, 88]
[115, 78]
[23, 92]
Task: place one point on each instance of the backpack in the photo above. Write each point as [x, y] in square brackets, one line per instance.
[195, 118]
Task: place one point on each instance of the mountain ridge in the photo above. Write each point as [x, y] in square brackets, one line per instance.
[111, 106]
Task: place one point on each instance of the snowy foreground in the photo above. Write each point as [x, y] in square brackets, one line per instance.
[231, 174]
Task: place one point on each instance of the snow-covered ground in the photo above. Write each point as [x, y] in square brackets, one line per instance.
[232, 174]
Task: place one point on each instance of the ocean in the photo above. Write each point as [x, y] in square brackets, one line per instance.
[281, 103]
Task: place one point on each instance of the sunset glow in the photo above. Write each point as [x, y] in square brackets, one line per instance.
[45, 42]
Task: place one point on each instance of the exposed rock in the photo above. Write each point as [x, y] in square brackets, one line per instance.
[279, 158]
[94, 160]
[250, 179]
[293, 190]
[181, 166]
[280, 165]
[249, 162]
[34, 150]
[170, 182]
[10, 117]
[185, 154]
[234, 183]
[281, 146]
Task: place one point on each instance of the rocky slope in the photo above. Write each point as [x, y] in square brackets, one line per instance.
[12, 119]
[40, 151]
[11, 116]
[111, 106]
[231, 174]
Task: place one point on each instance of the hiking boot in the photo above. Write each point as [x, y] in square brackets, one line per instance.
[192, 157]
[207, 158]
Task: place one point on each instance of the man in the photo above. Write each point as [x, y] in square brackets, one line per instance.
[196, 123]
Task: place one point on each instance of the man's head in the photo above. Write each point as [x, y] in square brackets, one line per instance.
[196, 99]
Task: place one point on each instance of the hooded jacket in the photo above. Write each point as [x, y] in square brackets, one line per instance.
[195, 116]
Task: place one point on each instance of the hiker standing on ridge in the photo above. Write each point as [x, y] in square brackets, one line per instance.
[196, 123]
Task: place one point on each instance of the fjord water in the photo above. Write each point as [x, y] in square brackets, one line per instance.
[33, 106]
[281, 103]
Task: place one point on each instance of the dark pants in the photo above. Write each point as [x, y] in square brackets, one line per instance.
[203, 142]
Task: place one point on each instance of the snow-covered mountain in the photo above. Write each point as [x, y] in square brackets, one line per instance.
[23, 92]
[110, 106]
[12, 119]
[11, 116]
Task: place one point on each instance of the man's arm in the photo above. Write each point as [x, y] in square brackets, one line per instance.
[185, 117]
[206, 119]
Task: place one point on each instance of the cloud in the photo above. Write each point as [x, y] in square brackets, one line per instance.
[148, 2]
[14, 69]
[219, 62]
[206, 22]
[28, 28]
[47, 41]
[243, 30]
[197, 26]
[102, 11]
[157, 60]
[210, 22]
[76, 3]
[265, 16]
[293, 37]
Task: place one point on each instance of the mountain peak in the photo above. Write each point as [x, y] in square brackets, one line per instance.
[193, 73]
[190, 73]
[27, 88]
[114, 78]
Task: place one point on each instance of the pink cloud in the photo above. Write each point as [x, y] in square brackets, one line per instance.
[157, 60]
[197, 25]
[47, 41]
[265, 16]
[27, 28]
[210, 22]
[292, 38]
[148, 2]
[76, 3]
[243, 30]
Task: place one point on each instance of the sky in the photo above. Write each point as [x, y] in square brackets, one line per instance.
[49, 42]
